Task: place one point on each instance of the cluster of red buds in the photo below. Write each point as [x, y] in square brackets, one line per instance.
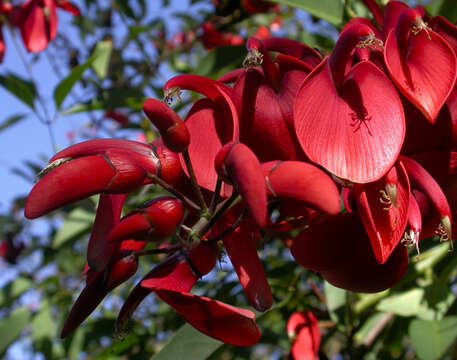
[36, 20]
[273, 147]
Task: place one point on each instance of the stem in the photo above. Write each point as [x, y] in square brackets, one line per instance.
[167, 250]
[231, 228]
[187, 202]
[216, 194]
[376, 330]
[193, 180]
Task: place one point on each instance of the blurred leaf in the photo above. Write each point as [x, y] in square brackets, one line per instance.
[102, 55]
[431, 339]
[434, 7]
[12, 326]
[85, 107]
[124, 6]
[405, 304]
[11, 121]
[13, 290]
[429, 258]
[366, 328]
[43, 323]
[188, 344]
[328, 10]
[79, 221]
[76, 346]
[120, 346]
[335, 297]
[449, 10]
[65, 86]
[24, 90]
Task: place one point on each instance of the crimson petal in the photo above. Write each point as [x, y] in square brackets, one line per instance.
[383, 207]
[218, 320]
[342, 124]
[415, 62]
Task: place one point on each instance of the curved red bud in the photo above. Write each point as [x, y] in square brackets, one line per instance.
[392, 12]
[120, 271]
[303, 182]
[364, 129]
[92, 295]
[415, 57]
[68, 7]
[383, 207]
[414, 223]
[241, 250]
[174, 132]
[243, 169]
[157, 220]
[218, 320]
[293, 48]
[174, 273]
[109, 210]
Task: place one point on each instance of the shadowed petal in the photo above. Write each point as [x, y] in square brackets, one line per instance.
[218, 320]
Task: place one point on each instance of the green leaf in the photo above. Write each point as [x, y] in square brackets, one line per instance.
[11, 121]
[335, 297]
[449, 10]
[405, 304]
[43, 323]
[328, 10]
[366, 328]
[12, 326]
[79, 221]
[83, 107]
[13, 290]
[188, 344]
[102, 55]
[77, 344]
[24, 90]
[65, 86]
[431, 339]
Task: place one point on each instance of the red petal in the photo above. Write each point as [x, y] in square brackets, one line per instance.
[357, 133]
[34, 27]
[109, 211]
[92, 295]
[69, 7]
[414, 69]
[305, 329]
[174, 273]
[242, 252]
[305, 183]
[218, 320]
[384, 214]
[71, 181]
[244, 170]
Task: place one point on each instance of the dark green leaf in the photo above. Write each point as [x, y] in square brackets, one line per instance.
[449, 10]
[65, 86]
[124, 6]
[11, 121]
[328, 10]
[12, 326]
[13, 290]
[79, 222]
[188, 344]
[24, 90]
[431, 339]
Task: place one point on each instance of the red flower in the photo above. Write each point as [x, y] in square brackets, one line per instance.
[38, 22]
[303, 330]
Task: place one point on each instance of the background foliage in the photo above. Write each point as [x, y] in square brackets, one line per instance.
[113, 57]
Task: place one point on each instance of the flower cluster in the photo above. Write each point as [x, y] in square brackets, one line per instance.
[36, 20]
[273, 147]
